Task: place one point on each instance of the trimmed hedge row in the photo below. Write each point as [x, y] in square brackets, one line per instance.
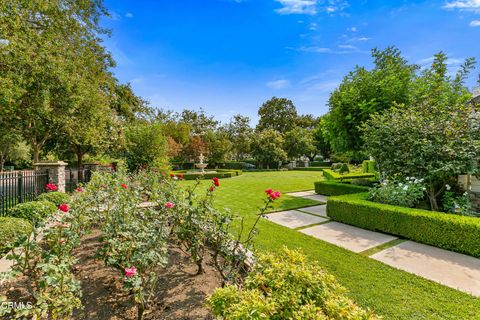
[236, 172]
[321, 163]
[332, 188]
[332, 175]
[368, 166]
[443, 230]
[310, 168]
[11, 229]
[207, 175]
[34, 211]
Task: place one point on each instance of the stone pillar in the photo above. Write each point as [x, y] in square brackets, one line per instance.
[56, 172]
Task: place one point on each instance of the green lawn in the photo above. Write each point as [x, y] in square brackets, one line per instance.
[392, 293]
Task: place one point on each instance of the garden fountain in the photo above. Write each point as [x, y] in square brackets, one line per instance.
[201, 165]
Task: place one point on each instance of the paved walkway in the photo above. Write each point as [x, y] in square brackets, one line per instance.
[449, 268]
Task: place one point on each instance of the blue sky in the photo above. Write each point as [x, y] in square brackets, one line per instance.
[228, 56]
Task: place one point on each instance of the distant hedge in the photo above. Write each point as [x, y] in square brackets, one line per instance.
[443, 230]
[320, 163]
[209, 175]
[310, 168]
[332, 175]
[332, 188]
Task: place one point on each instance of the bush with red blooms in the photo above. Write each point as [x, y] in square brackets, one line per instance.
[51, 187]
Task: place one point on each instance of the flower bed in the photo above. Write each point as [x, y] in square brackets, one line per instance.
[332, 175]
[447, 231]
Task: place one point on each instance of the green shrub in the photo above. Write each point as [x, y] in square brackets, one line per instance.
[55, 197]
[236, 172]
[336, 166]
[343, 169]
[207, 175]
[332, 175]
[34, 210]
[404, 193]
[448, 231]
[11, 229]
[320, 163]
[369, 182]
[332, 188]
[286, 286]
[368, 166]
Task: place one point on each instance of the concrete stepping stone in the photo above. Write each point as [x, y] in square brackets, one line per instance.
[348, 237]
[320, 210]
[301, 193]
[317, 197]
[294, 219]
[452, 269]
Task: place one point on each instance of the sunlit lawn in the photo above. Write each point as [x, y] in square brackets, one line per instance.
[392, 293]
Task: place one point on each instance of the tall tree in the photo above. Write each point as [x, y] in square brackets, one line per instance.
[279, 114]
[240, 134]
[363, 93]
[299, 142]
[267, 147]
[198, 121]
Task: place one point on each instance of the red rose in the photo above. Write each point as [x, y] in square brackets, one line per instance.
[172, 175]
[124, 186]
[268, 191]
[275, 195]
[215, 181]
[212, 188]
[51, 187]
[64, 207]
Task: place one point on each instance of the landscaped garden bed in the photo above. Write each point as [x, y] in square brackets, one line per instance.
[334, 188]
[207, 175]
[448, 231]
[330, 174]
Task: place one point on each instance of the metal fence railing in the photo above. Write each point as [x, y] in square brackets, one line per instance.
[75, 177]
[20, 186]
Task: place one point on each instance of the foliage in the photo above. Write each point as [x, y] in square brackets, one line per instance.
[12, 148]
[320, 138]
[146, 145]
[277, 114]
[219, 146]
[332, 175]
[11, 229]
[34, 211]
[457, 204]
[404, 193]
[198, 121]
[208, 175]
[451, 232]
[368, 166]
[240, 134]
[195, 147]
[56, 198]
[364, 92]
[298, 142]
[434, 138]
[333, 188]
[343, 168]
[286, 286]
[267, 147]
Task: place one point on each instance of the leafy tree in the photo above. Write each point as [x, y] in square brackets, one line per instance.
[363, 93]
[278, 114]
[145, 145]
[267, 147]
[307, 121]
[194, 148]
[436, 137]
[299, 142]
[198, 121]
[320, 138]
[240, 134]
[219, 146]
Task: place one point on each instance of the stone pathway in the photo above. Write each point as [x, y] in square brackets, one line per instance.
[449, 268]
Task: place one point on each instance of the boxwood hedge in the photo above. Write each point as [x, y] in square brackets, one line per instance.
[56, 197]
[10, 229]
[447, 231]
[34, 211]
[310, 168]
[220, 173]
[332, 175]
[332, 188]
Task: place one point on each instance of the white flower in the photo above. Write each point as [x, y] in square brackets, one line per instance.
[405, 188]
[465, 193]
[448, 187]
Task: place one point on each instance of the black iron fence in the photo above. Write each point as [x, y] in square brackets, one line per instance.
[20, 186]
[75, 177]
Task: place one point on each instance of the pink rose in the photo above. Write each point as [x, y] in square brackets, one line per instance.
[130, 272]
[275, 195]
[169, 205]
[64, 207]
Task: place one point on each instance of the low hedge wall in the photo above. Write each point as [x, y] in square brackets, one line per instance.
[443, 230]
[332, 188]
[236, 172]
[321, 163]
[207, 175]
[310, 168]
[11, 229]
[329, 174]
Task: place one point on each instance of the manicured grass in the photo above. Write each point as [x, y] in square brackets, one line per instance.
[392, 293]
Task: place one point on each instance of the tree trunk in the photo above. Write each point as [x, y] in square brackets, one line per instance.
[140, 311]
[200, 267]
[79, 165]
[432, 197]
[36, 152]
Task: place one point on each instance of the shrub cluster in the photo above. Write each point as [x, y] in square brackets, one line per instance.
[220, 173]
[368, 166]
[286, 286]
[55, 197]
[310, 168]
[12, 228]
[333, 188]
[34, 211]
[404, 193]
[448, 231]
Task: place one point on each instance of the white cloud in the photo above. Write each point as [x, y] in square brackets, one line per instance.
[469, 5]
[278, 84]
[311, 7]
[342, 49]
[313, 26]
[297, 7]
[129, 15]
[353, 29]
[475, 23]
[449, 62]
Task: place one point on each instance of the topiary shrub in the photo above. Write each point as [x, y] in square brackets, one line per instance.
[286, 286]
[332, 175]
[336, 166]
[343, 169]
[11, 229]
[333, 188]
[33, 211]
[55, 197]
